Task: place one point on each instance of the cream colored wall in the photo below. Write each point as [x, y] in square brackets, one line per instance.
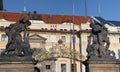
[49, 44]
[114, 43]
[84, 43]
[39, 24]
[85, 26]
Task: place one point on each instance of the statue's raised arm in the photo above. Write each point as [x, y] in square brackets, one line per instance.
[99, 48]
[16, 45]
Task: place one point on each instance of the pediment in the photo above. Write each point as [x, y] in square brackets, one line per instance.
[37, 37]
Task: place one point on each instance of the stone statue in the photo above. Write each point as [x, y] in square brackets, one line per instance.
[98, 42]
[16, 44]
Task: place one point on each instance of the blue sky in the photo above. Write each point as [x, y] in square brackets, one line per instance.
[108, 9]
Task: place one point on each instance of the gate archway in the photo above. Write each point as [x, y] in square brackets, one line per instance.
[57, 51]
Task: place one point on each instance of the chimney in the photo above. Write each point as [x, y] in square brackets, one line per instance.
[1, 5]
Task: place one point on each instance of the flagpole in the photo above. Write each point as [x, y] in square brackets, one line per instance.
[70, 50]
[85, 8]
[99, 8]
[74, 58]
[24, 6]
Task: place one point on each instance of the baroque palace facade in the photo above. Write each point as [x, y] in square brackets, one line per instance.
[51, 36]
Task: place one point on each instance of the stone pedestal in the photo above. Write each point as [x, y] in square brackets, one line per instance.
[102, 65]
[19, 66]
[13, 63]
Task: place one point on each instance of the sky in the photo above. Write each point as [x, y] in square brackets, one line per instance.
[107, 9]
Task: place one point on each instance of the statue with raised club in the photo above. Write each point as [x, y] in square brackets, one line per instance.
[98, 42]
[17, 45]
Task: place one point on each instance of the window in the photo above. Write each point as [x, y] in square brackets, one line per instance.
[53, 27]
[3, 37]
[63, 67]
[63, 38]
[53, 38]
[47, 67]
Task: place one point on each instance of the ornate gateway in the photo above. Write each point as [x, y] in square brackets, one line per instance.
[57, 51]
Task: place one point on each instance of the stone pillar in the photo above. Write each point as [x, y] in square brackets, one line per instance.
[102, 65]
[19, 66]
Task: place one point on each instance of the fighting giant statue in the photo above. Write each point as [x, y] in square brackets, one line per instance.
[17, 44]
[98, 42]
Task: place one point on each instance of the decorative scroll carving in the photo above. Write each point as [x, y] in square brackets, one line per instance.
[57, 51]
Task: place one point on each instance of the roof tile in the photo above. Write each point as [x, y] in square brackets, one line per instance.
[53, 18]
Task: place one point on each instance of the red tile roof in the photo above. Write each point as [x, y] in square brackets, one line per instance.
[54, 18]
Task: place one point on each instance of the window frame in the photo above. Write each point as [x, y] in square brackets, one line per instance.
[63, 38]
[48, 67]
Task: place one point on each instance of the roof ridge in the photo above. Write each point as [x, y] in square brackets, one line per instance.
[46, 13]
